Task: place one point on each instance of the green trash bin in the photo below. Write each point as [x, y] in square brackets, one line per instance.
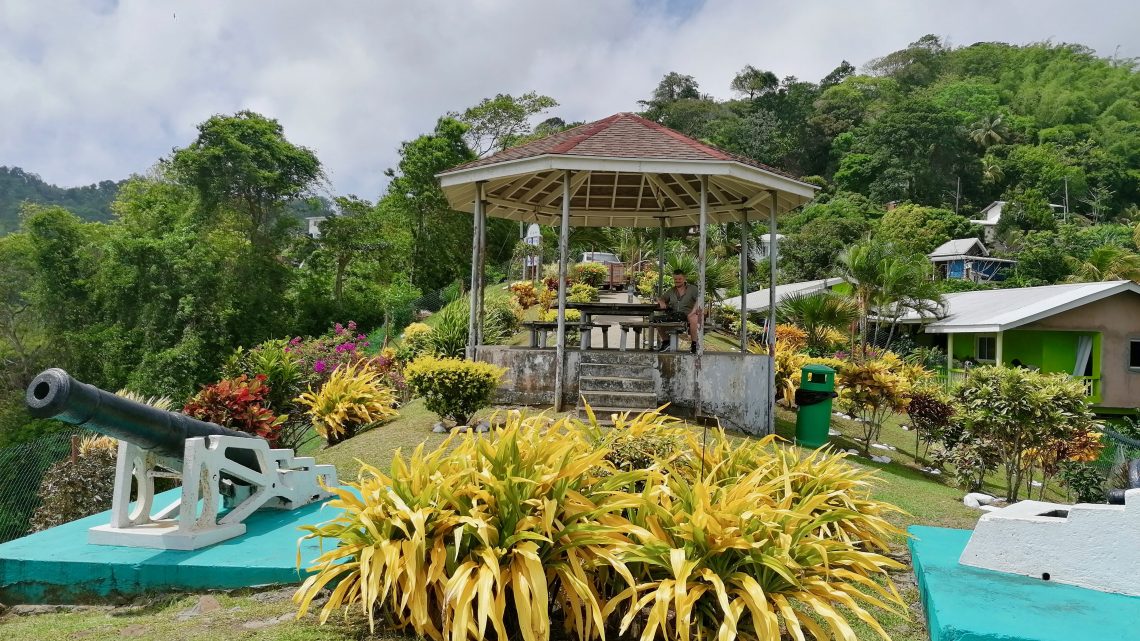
[813, 421]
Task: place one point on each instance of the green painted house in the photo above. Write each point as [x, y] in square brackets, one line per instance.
[1090, 331]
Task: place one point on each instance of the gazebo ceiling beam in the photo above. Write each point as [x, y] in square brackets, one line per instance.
[640, 191]
[541, 187]
[667, 191]
[688, 189]
[507, 190]
[737, 191]
[575, 184]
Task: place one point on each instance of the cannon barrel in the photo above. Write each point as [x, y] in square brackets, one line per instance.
[55, 394]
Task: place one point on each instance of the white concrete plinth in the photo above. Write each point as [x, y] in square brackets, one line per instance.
[1091, 546]
[163, 535]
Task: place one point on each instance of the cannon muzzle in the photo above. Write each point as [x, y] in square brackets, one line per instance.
[55, 394]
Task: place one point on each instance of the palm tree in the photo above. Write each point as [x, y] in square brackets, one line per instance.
[1107, 262]
[992, 173]
[988, 131]
[817, 312]
[888, 284]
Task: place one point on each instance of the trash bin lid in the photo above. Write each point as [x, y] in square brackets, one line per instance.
[817, 368]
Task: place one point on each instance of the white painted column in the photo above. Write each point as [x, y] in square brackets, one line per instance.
[949, 356]
[773, 256]
[657, 290]
[998, 348]
[744, 281]
[480, 316]
[563, 249]
[702, 257]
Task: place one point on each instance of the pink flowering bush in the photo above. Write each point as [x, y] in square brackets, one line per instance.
[343, 345]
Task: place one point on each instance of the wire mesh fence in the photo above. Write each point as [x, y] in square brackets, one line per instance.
[22, 467]
[1118, 451]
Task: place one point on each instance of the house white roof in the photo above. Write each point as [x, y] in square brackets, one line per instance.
[998, 310]
[958, 247]
[758, 300]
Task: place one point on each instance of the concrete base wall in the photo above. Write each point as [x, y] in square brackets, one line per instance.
[734, 388]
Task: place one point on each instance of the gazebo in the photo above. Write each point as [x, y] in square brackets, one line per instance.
[621, 171]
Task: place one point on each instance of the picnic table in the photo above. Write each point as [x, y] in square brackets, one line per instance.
[606, 308]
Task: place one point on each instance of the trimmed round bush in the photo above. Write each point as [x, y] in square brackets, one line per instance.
[451, 387]
[592, 274]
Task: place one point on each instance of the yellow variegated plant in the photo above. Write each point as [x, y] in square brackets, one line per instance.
[507, 534]
[353, 397]
[480, 535]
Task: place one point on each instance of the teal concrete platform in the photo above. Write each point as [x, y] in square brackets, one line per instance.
[970, 604]
[59, 566]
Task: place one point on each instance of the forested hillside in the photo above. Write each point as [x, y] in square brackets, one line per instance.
[18, 186]
[1008, 121]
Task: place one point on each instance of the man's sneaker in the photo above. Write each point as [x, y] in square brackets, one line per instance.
[664, 347]
[693, 347]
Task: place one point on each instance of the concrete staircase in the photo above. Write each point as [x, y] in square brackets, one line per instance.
[616, 382]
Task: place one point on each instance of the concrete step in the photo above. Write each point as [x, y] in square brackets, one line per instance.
[616, 370]
[604, 415]
[625, 400]
[615, 384]
[644, 359]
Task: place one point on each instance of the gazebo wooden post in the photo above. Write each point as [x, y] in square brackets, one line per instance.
[702, 289]
[702, 256]
[773, 256]
[658, 288]
[744, 280]
[472, 328]
[480, 316]
[563, 250]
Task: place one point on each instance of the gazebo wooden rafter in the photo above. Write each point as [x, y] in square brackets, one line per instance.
[621, 171]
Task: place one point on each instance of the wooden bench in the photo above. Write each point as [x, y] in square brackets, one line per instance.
[539, 330]
[670, 327]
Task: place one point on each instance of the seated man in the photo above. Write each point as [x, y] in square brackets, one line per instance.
[680, 305]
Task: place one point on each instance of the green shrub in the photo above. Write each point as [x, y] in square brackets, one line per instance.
[449, 337]
[1021, 412]
[572, 316]
[582, 293]
[415, 340]
[501, 318]
[592, 274]
[453, 388]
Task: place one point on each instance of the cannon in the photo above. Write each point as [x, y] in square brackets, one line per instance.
[226, 474]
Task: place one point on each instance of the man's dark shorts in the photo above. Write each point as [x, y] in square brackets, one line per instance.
[670, 316]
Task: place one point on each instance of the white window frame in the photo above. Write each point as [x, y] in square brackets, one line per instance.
[978, 349]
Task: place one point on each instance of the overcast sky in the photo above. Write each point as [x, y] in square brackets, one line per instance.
[100, 89]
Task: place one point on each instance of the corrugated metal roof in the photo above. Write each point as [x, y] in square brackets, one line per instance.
[958, 247]
[996, 310]
[758, 300]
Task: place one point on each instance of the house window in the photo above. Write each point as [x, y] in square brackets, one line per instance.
[986, 348]
[1134, 354]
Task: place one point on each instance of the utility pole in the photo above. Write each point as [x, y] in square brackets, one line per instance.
[1066, 199]
[958, 194]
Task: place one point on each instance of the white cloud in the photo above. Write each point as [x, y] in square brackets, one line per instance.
[99, 90]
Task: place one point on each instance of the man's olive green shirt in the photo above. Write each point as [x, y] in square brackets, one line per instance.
[682, 302]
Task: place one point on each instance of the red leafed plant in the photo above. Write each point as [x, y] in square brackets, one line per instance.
[237, 403]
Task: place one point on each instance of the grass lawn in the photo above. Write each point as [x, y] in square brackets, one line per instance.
[245, 615]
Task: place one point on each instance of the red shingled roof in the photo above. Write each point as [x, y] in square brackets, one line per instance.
[622, 135]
